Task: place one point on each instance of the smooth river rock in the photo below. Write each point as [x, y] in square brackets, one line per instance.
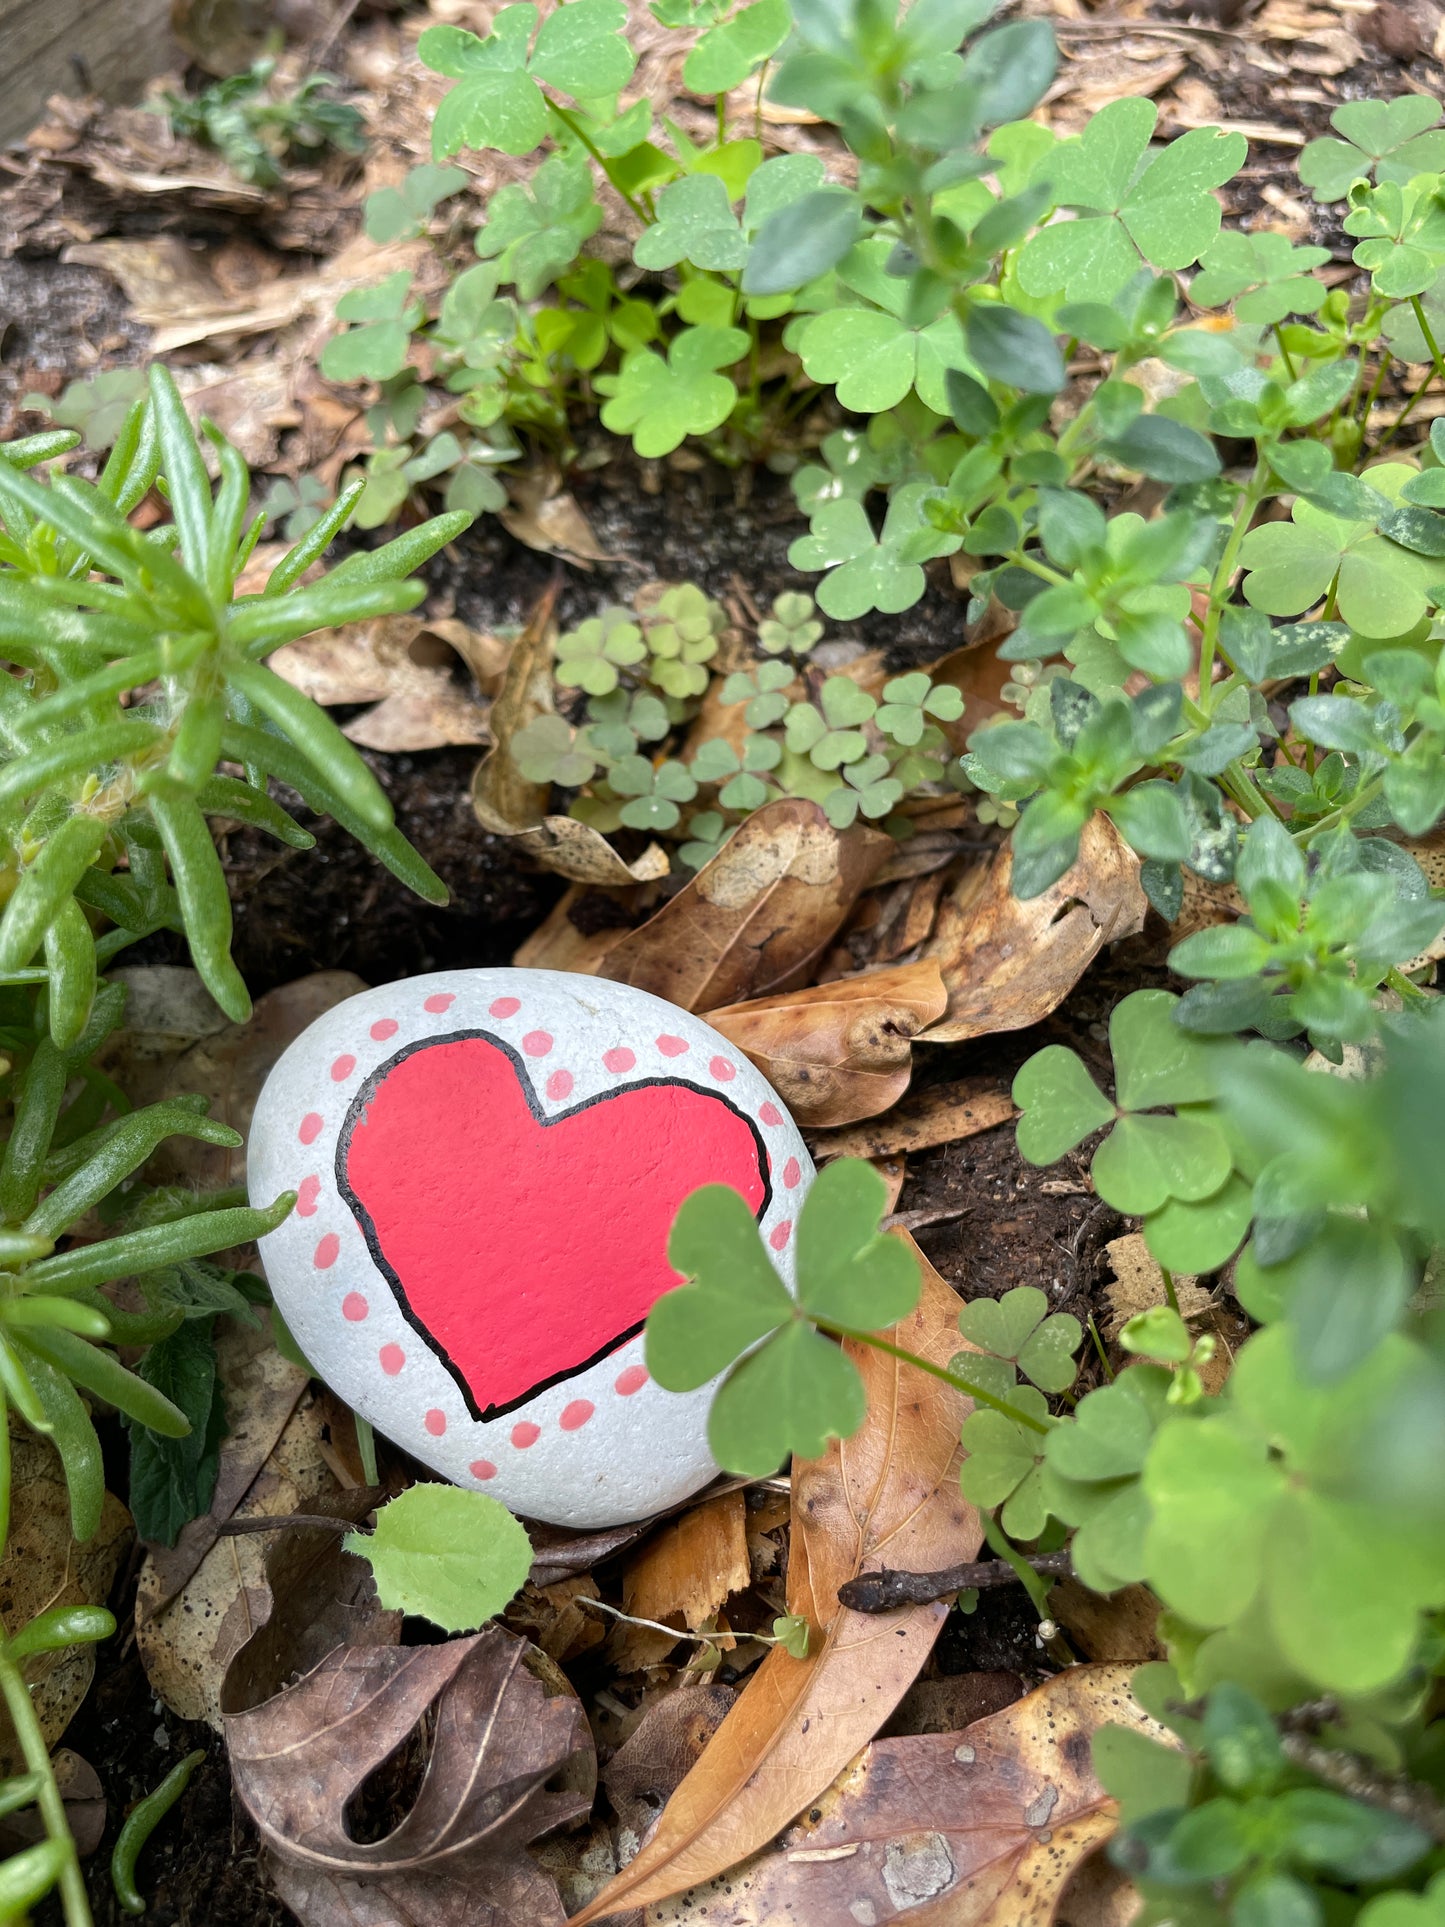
[487, 1165]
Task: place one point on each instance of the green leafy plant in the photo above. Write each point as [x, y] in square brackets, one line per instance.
[256, 130]
[453, 1557]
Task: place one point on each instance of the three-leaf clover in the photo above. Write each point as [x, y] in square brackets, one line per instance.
[868, 571]
[908, 702]
[374, 347]
[589, 656]
[743, 787]
[788, 1389]
[660, 402]
[540, 232]
[792, 628]
[654, 791]
[871, 353]
[1175, 1172]
[1263, 276]
[1092, 1471]
[761, 689]
[549, 750]
[1391, 140]
[695, 222]
[707, 831]
[1164, 212]
[727, 53]
[394, 213]
[497, 102]
[869, 788]
[828, 733]
[1005, 1454]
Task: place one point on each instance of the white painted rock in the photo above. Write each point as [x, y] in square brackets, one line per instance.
[488, 1163]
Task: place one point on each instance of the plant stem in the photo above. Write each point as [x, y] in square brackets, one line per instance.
[975, 1392]
[1285, 352]
[579, 132]
[36, 1755]
[1169, 1291]
[1430, 342]
[1036, 1588]
[1224, 576]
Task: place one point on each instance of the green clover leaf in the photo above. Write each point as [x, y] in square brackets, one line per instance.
[685, 624]
[868, 789]
[1163, 213]
[761, 689]
[535, 234]
[548, 750]
[660, 402]
[797, 1389]
[707, 831]
[792, 629]
[1391, 140]
[375, 347]
[1005, 1459]
[695, 223]
[396, 213]
[828, 733]
[726, 54]
[1060, 1102]
[908, 702]
[870, 353]
[1263, 275]
[497, 101]
[868, 571]
[654, 791]
[1092, 1470]
[1019, 1327]
[1382, 589]
[589, 656]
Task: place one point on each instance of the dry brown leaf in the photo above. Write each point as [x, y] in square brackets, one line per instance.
[556, 1617]
[843, 1050]
[85, 1808]
[583, 855]
[1119, 1628]
[546, 517]
[506, 1725]
[755, 917]
[402, 664]
[889, 1495]
[650, 1765]
[43, 1567]
[1138, 1285]
[975, 1829]
[940, 1115]
[1006, 963]
[695, 1563]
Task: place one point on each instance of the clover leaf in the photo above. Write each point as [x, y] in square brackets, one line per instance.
[828, 732]
[1262, 275]
[1019, 1327]
[761, 689]
[792, 628]
[908, 702]
[868, 789]
[375, 347]
[1091, 1476]
[659, 402]
[727, 53]
[854, 461]
[589, 656]
[654, 791]
[1381, 588]
[796, 1390]
[548, 750]
[1005, 1457]
[1391, 140]
[868, 571]
[695, 223]
[540, 232]
[497, 100]
[742, 788]
[396, 213]
[1163, 212]
[871, 353]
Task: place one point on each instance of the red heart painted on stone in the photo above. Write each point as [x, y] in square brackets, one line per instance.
[523, 1247]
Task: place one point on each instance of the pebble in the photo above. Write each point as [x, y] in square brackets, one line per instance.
[487, 1164]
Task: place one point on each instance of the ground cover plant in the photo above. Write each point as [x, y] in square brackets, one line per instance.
[1152, 450]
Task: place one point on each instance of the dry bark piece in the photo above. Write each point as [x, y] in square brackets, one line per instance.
[1007, 964]
[753, 919]
[887, 1496]
[940, 1115]
[692, 1565]
[842, 1050]
[975, 1829]
[44, 1567]
[505, 1727]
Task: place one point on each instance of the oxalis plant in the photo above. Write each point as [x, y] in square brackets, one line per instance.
[136, 671]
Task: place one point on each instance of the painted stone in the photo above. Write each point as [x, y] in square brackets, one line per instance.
[487, 1165]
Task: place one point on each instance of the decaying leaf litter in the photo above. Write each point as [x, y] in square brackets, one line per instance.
[888, 991]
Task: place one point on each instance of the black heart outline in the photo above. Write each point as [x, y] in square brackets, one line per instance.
[357, 1110]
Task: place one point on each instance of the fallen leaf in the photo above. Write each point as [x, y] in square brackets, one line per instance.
[404, 665]
[1119, 1628]
[1138, 1285]
[510, 804]
[843, 1050]
[85, 1809]
[1098, 1894]
[568, 939]
[692, 1565]
[556, 1617]
[949, 1704]
[545, 516]
[756, 915]
[650, 1765]
[559, 1553]
[975, 1829]
[505, 1726]
[43, 1567]
[887, 1496]
[1007, 964]
[940, 1115]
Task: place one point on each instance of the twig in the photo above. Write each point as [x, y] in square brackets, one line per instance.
[881, 1592]
[282, 1522]
[1351, 1774]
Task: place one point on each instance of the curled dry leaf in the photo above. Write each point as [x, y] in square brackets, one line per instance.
[505, 1725]
[755, 917]
[402, 664]
[843, 1050]
[887, 1496]
[981, 1828]
[511, 804]
[940, 1115]
[43, 1567]
[1006, 963]
[547, 518]
[85, 1809]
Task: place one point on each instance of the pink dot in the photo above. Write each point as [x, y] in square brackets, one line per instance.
[342, 1069]
[537, 1043]
[443, 1000]
[310, 1128]
[618, 1061]
[392, 1359]
[770, 1114]
[672, 1046]
[559, 1084]
[505, 1007]
[354, 1307]
[436, 1423]
[780, 1234]
[630, 1381]
[482, 1469]
[383, 1028]
[525, 1434]
[722, 1070]
[328, 1250]
[306, 1195]
[792, 1173]
[576, 1415]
